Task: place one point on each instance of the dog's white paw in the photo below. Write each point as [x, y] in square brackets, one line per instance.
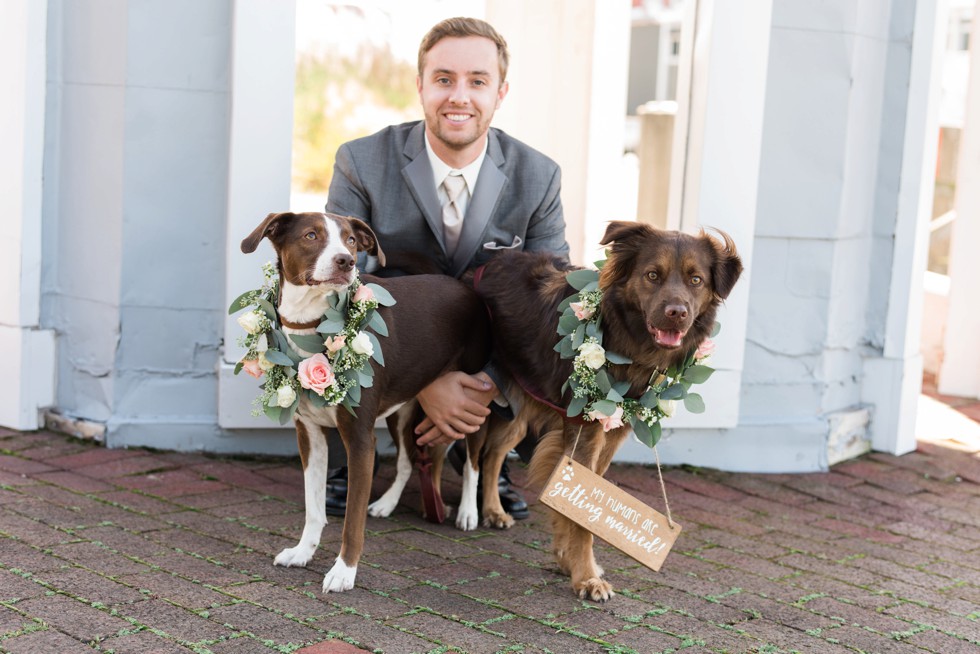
[382, 508]
[340, 577]
[295, 557]
[467, 520]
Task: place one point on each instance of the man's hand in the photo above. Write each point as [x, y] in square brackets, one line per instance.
[455, 405]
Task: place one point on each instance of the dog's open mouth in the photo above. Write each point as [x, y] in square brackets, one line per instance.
[666, 337]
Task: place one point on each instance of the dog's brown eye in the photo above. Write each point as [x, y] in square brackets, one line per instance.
[310, 236]
[696, 281]
[653, 276]
[351, 240]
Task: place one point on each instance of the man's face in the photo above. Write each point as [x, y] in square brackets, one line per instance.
[460, 90]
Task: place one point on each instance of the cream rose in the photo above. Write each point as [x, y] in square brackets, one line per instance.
[667, 406]
[361, 344]
[264, 363]
[251, 322]
[285, 396]
[262, 342]
[592, 355]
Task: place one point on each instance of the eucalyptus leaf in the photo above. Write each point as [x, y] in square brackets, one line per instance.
[334, 315]
[377, 355]
[579, 279]
[318, 401]
[383, 297]
[578, 337]
[278, 358]
[614, 396]
[273, 411]
[308, 342]
[567, 351]
[674, 392]
[575, 406]
[354, 393]
[239, 303]
[622, 387]
[567, 302]
[267, 308]
[698, 374]
[287, 414]
[649, 399]
[591, 286]
[567, 324]
[694, 403]
[715, 329]
[377, 323]
[602, 380]
[605, 407]
[617, 358]
[330, 327]
[238, 367]
[642, 431]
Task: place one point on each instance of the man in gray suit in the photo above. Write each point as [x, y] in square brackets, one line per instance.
[448, 193]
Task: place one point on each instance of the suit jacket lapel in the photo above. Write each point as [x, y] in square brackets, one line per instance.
[484, 200]
[418, 177]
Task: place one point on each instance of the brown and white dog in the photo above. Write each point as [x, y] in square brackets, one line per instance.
[437, 325]
[661, 291]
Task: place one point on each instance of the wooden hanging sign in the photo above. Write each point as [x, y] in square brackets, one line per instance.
[610, 513]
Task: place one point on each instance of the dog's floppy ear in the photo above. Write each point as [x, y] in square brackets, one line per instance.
[366, 239]
[727, 266]
[267, 228]
[627, 239]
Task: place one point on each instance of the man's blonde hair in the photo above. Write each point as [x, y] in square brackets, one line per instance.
[462, 27]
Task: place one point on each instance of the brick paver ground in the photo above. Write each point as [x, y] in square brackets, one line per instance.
[143, 551]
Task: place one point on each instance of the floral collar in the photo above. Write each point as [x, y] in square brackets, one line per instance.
[595, 392]
[342, 348]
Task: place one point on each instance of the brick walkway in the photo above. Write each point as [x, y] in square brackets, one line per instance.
[141, 551]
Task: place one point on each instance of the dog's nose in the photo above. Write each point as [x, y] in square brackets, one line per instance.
[676, 311]
[343, 261]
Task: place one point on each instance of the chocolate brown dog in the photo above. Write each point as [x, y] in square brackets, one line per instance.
[437, 325]
[661, 291]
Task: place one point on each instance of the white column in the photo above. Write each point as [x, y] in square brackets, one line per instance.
[893, 381]
[960, 372]
[27, 382]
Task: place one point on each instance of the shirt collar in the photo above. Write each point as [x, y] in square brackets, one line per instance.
[440, 169]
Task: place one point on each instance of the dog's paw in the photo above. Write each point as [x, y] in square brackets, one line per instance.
[295, 557]
[497, 520]
[595, 589]
[381, 508]
[467, 520]
[340, 577]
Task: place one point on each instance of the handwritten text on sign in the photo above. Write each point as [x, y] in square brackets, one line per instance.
[610, 513]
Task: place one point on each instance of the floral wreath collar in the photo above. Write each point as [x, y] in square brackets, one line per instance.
[596, 395]
[342, 348]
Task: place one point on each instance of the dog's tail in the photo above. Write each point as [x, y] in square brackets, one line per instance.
[547, 453]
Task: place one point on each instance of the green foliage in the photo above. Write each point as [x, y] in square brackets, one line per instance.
[335, 98]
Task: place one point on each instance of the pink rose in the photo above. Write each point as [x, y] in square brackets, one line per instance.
[705, 350]
[251, 366]
[334, 343]
[363, 294]
[609, 422]
[315, 374]
[582, 311]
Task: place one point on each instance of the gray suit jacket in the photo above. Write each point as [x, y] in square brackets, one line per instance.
[385, 180]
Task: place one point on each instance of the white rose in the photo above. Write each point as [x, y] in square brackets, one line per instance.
[667, 406]
[285, 396]
[264, 363]
[592, 355]
[262, 343]
[251, 321]
[361, 344]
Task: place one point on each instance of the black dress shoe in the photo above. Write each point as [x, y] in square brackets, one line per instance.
[336, 502]
[510, 500]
